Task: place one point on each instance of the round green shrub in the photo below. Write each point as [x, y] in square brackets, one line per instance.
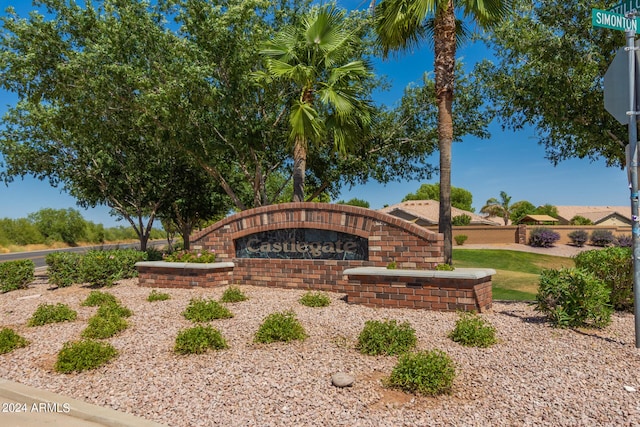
[158, 296]
[50, 313]
[200, 310]
[64, 268]
[80, 356]
[282, 326]
[315, 299]
[198, 340]
[429, 373]
[473, 331]
[102, 327]
[233, 294]
[97, 298]
[386, 337]
[113, 309]
[16, 274]
[613, 266]
[573, 297]
[9, 340]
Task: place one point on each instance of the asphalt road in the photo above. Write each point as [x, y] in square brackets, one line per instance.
[38, 257]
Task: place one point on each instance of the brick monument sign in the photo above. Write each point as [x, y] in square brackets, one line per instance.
[328, 247]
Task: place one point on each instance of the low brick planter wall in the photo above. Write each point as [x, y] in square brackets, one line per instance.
[467, 289]
[161, 274]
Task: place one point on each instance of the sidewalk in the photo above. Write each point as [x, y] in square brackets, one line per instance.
[23, 406]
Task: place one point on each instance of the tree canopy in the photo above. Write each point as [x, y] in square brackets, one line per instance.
[548, 74]
[460, 198]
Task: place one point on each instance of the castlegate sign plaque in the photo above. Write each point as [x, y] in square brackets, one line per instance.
[302, 243]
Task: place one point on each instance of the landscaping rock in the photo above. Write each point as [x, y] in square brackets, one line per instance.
[341, 379]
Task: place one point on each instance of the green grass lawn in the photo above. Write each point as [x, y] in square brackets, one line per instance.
[516, 272]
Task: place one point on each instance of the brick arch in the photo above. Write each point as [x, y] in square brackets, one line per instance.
[390, 239]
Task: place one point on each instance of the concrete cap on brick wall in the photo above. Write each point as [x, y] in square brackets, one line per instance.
[191, 265]
[458, 273]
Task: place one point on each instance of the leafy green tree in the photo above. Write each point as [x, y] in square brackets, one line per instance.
[547, 209]
[19, 232]
[60, 225]
[580, 220]
[355, 202]
[547, 73]
[317, 58]
[521, 209]
[460, 198]
[96, 87]
[499, 208]
[402, 24]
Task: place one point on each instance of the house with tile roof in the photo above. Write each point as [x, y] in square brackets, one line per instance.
[426, 212]
[599, 215]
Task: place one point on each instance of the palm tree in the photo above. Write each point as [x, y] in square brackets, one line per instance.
[316, 57]
[402, 24]
[500, 207]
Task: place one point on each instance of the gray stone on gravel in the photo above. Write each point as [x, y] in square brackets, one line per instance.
[341, 379]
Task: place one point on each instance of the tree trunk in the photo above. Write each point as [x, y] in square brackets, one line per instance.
[445, 54]
[299, 169]
[185, 231]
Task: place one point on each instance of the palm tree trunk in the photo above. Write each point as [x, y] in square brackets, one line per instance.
[299, 169]
[445, 54]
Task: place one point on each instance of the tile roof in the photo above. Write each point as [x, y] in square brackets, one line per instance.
[426, 212]
[594, 213]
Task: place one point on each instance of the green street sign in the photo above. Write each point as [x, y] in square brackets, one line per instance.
[625, 7]
[606, 19]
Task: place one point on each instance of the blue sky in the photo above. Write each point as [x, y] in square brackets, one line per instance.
[509, 161]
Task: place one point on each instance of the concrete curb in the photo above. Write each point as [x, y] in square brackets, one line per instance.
[60, 410]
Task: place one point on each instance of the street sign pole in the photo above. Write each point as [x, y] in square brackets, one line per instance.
[633, 173]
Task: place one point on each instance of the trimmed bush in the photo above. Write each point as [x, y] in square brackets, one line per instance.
[579, 237]
[460, 239]
[315, 299]
[624, 241]
[386, 337]
[16, 274]
[282, 326]
[541, 237]
[445, 267]
[233, 294]
[429, 373]
[613, 266]
[191, 256]
[473, 331]
[200, 310]
[9, 341]
[198, 340]
[49, 313]
[602, 238]
[104, 326]
[113, 309]
[573, 297]
[158, 296]
[97, 298]
[64, 268]
[104, 268]
[84, 355]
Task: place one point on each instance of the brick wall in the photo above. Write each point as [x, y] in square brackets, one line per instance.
[415, 291]
[390, 239]
[162, 275]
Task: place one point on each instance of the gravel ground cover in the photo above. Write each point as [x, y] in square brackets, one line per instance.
[536, 374]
